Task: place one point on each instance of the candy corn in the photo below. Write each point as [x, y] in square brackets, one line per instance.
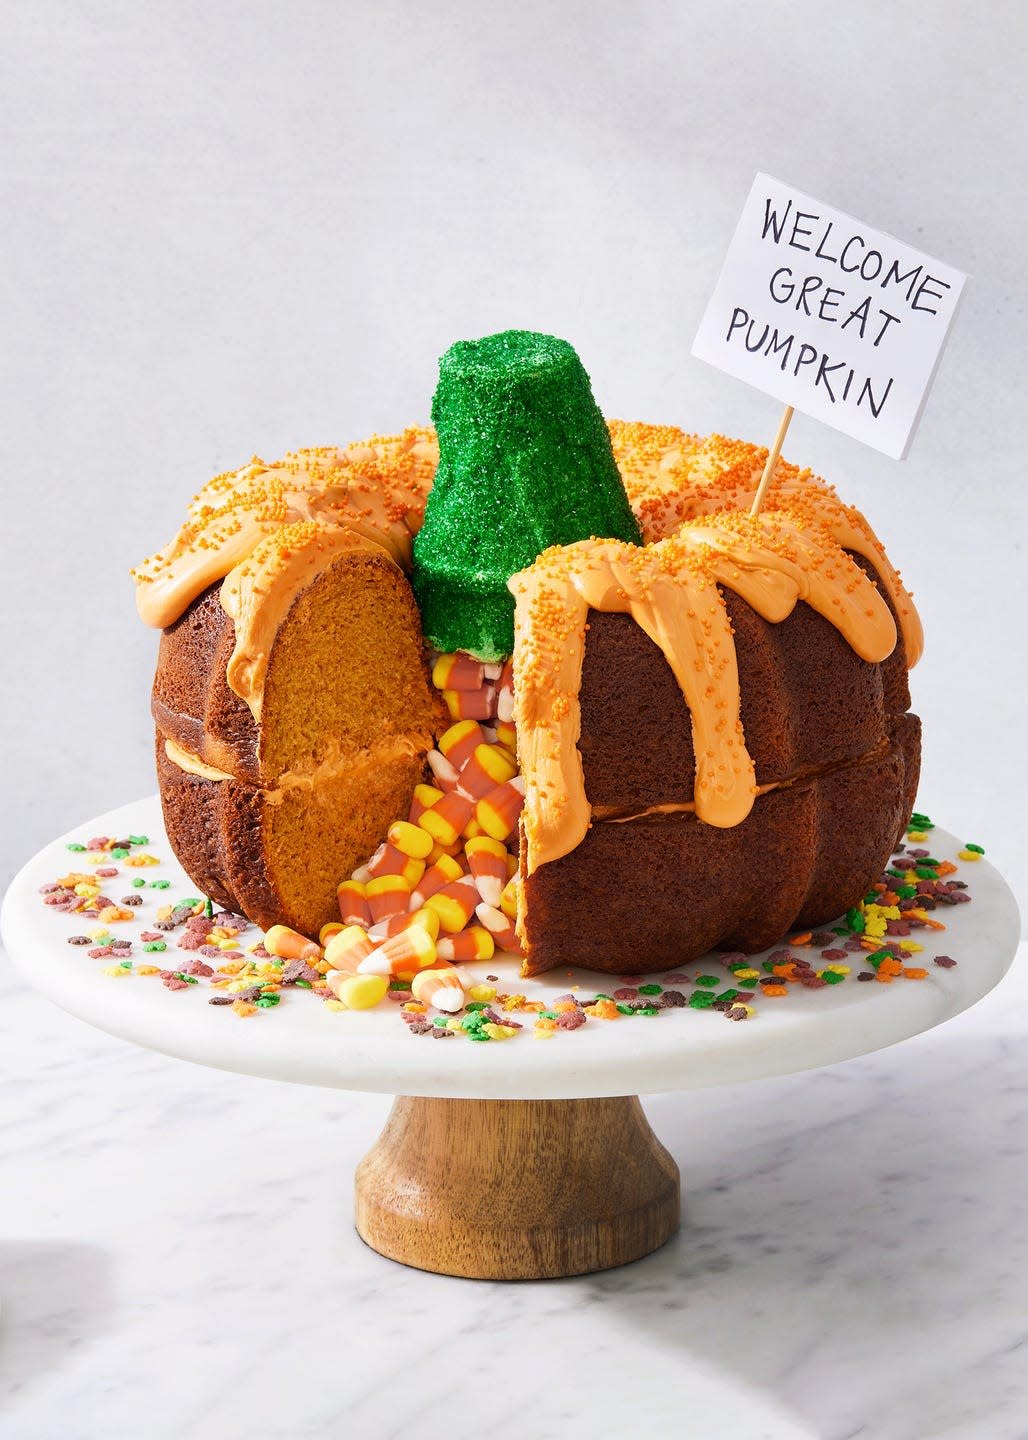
[488, 767]
[390, 926]
[505, 693]
[458, 672]
[447, 818]
[326, 932]
[346, 950]
[474, 943]
[509, 899]
[498, 925]
[459, 743]
[488, 861]
[357, 992]
[387, 895]
[441, 987]
[442, 887]
[289, 944]
[423, 799]
[410, 840]
[444, 772]
[388, 860]
[445, 870]
[427, 919]
[413, 949]
[454, 904]
[498, 812]
[471, 704]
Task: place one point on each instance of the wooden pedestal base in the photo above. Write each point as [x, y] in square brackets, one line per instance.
[516, 1189]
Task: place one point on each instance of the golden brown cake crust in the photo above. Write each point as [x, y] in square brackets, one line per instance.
[191, 701]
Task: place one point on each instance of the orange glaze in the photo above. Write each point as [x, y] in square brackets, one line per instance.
[376, 489]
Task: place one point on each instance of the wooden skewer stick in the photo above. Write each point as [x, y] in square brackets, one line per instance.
[772, 461]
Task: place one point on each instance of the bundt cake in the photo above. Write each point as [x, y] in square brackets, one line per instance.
[709, 711]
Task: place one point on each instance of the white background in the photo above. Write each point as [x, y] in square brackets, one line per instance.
[233, 228]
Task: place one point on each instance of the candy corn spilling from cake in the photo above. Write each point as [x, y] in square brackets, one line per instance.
[531, 682]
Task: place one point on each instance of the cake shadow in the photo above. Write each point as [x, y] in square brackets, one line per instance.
[54, 1297]
[839, 1246]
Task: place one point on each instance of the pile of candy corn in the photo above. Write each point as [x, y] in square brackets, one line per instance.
[442, 887]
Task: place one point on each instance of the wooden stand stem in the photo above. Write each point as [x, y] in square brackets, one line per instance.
[516, 1189]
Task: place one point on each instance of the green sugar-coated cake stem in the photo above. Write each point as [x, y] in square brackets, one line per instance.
[525, 462]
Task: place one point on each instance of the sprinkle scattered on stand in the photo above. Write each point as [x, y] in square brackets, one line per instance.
[443, 894]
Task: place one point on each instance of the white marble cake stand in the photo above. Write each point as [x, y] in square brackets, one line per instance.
[513, 1160]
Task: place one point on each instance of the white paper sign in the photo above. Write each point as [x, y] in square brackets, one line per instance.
[840, 321]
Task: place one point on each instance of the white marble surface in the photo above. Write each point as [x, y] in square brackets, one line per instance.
[371, 1050]
[177, 1260]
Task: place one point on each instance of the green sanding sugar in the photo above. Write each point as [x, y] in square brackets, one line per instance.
[525, 462]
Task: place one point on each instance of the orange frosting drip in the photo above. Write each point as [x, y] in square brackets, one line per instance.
[259, 592]
[672, 477]
[376, 489]
[670, 588]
